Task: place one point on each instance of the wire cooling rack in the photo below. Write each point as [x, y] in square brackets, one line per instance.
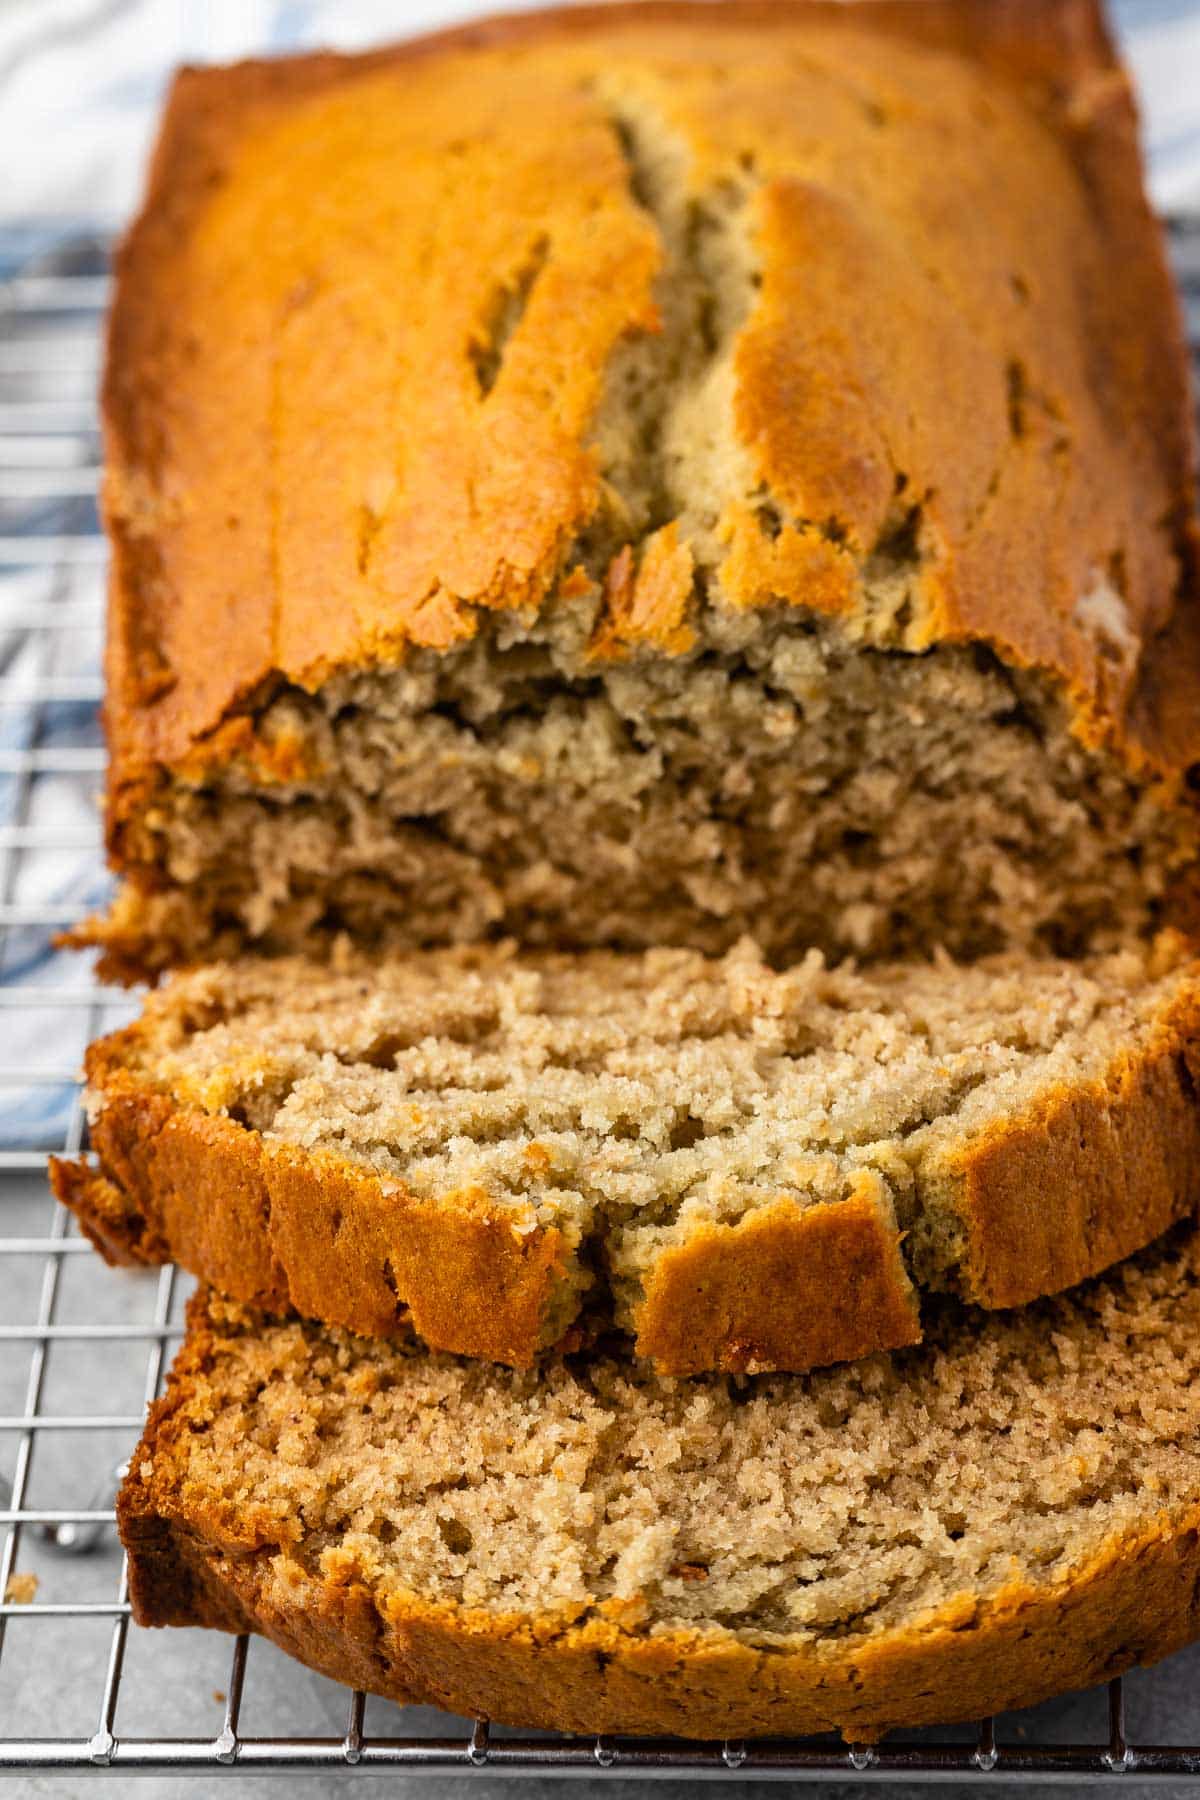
[83, 1350]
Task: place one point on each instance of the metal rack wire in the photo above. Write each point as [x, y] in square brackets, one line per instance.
[51, 570]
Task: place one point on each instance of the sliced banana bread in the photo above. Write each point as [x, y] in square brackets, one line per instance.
[695, 470]
[1009, 1511]
[746, 1169]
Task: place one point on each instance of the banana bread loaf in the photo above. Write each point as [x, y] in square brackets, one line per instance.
[745, 1169]
[1010, 1511]
[642, 474]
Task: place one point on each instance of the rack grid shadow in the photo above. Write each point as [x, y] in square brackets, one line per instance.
[82, 1351]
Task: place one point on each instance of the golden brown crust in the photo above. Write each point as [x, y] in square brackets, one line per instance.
[1137, 1599]
[784, 1288]
[1059, 1190]
[788, 1289]
[1041, 1200]
[1086, 1178]
[1047, 441]
[309, 1230]
[1136, 1605]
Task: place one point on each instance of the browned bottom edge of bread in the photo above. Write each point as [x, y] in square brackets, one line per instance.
[1008, 1512]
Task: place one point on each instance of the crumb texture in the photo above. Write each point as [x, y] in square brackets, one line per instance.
[754, 498]
[647, 1110]
[838, 1521]
[781, 784]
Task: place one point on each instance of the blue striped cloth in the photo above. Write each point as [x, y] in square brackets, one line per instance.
[81, 82]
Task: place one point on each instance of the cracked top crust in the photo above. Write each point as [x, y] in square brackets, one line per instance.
[913, 356]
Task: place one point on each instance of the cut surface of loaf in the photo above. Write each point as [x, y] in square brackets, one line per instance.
[745, 1169]
[745, 486]
[1010, 1511]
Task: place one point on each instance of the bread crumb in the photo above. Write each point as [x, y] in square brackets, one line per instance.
[633, 1103]
[809, 1515]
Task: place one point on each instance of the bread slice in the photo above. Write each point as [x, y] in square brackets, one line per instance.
[743, 1168]
[1009, 1511]
[745, 487]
